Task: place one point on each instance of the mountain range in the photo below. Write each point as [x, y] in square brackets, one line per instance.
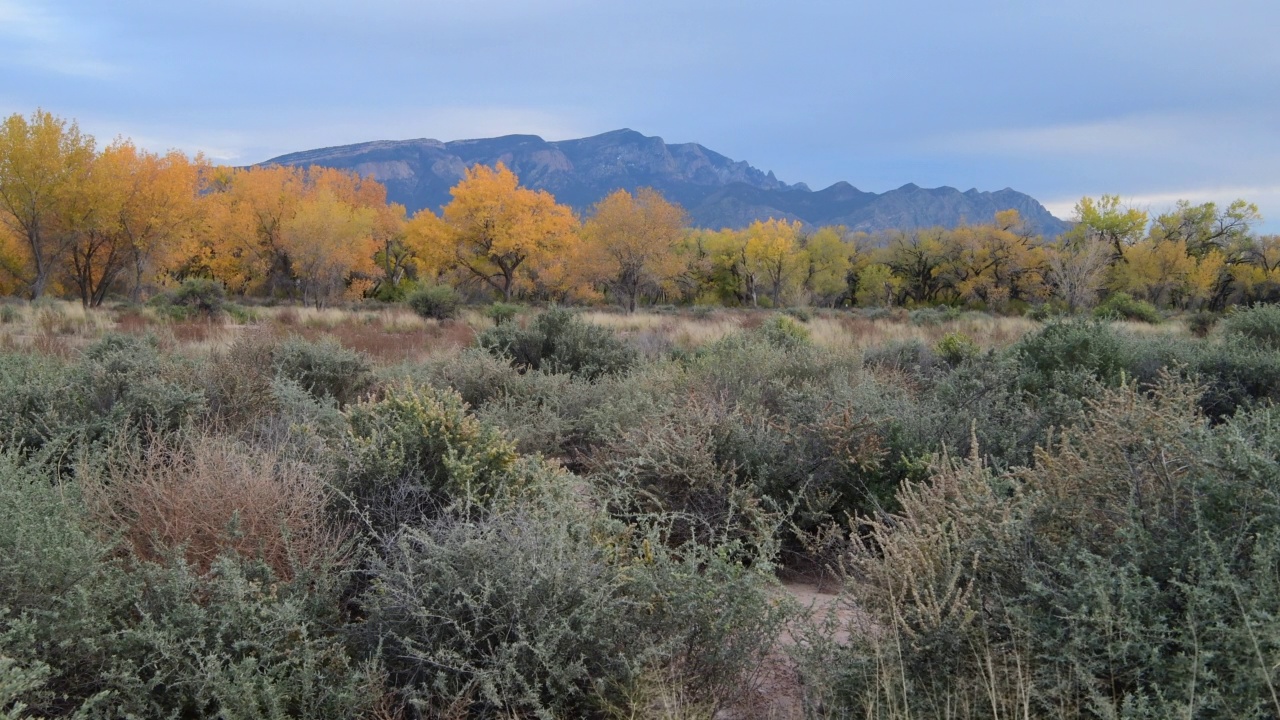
[715, 190]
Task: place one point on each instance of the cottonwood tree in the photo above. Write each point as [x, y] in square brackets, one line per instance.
[632, 243]
[1077, 269]
[159, 208]
[770, 254]
[918, 257]
[1108, 221]
[827, 259]
[248, 211]
[996, 262]
[327, 239]
[494, 229]
[44, 161]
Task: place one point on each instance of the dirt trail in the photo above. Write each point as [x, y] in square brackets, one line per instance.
[778, 694]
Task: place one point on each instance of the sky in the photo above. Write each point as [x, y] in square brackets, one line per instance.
[1150, 100]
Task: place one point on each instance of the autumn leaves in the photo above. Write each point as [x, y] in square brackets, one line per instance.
[123, 221]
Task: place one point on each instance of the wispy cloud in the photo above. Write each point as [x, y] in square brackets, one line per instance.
[1133, 136]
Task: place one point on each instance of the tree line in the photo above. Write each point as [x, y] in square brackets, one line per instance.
[121, 221]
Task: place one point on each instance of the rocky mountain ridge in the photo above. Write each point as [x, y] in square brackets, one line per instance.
[716, 191]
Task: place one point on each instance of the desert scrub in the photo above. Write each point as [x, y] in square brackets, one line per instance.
[553, 612]
[956, 347]
[559, 341]
[436, 302]
[416, 453]
[1123, 575]
[112, 635]
[324, 368]
[784, 332]
[1259, 324]
[501, 312]
[204, 496]
[1122, 306]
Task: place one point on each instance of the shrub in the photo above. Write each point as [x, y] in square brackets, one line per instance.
[98, 634]
[36, 401]
[908, 356]
[1122, 576]
[416, 452]
[1201, 323]
[550, 612]
[934, 315]
[559, 341]
[501, 312]
[783, 332]
[1123, 306]
[324, 368]
[1066, 354]
[1259, 324]
[955, 348]
[204, 496]
[437, 302]
[803, 314]
[9, 314]
[199, 296]
[129, 381]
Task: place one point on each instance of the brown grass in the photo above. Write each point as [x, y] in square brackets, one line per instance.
[209, 495]
[387, 336]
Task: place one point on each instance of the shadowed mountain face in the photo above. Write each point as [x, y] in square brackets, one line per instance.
[716, 191]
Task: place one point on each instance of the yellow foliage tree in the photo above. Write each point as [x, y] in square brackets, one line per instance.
[828, 258]
[159, 210]
[1153, 269]
[878, 286]
[631, 243]
[244, 245]
[327, 240]
[771, 256]
[1108, 221]
[494, 229]
[998, 262]
[43, 162]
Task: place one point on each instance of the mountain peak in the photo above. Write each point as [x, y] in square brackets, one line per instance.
[717, 191]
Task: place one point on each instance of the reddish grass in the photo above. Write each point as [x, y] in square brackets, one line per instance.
[208, 495]
[390, 346]
[51, 345]
[196, 331]
[132, 322]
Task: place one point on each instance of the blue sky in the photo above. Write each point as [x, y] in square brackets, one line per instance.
[1153, 101]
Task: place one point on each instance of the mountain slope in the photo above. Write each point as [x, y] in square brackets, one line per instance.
[717, 191]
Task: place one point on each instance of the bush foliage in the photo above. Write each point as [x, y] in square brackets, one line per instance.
[567, 520]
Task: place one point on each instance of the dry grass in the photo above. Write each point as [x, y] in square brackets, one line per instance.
[831, 329]
[208, 495]
[393, 334]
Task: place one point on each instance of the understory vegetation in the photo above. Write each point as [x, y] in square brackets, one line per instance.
[228, 512]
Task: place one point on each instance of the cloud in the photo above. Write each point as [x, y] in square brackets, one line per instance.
[1133, 136]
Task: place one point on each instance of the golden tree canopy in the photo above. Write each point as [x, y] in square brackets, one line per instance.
[633, 242]
[494, 229]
